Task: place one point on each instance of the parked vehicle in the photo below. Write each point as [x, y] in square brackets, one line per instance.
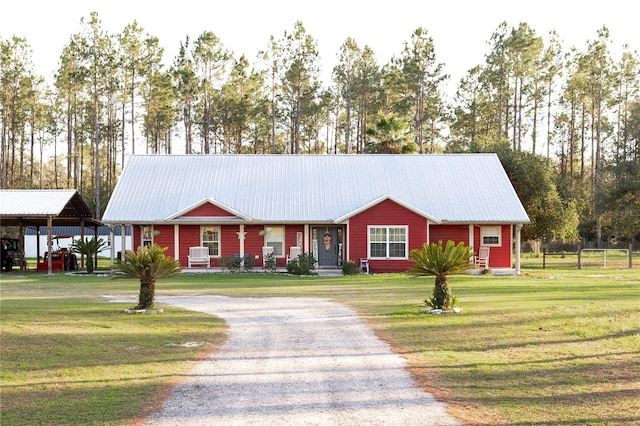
[10, 254]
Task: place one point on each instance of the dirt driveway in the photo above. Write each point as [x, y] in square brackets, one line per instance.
[296, 361]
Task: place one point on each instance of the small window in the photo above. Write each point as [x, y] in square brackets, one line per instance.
[147, 236]
[210, 237]
[491, 236]
[388, 242]
[274, 237]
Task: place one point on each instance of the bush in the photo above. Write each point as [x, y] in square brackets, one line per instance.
[301, 265]
[235, 264]
[350, 267]
[270, 262]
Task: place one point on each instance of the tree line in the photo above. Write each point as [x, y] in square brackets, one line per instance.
[565, 122]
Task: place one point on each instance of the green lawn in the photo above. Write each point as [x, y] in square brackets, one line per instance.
[557, 346]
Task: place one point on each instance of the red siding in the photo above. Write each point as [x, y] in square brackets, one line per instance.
[499, 257]
[208, 210]
[290, 240]
[164, 238]
[385, 213]
[189, 237]
[229, 241]
[444, 233]
[253, 243]
[230, 244]
[136, 240]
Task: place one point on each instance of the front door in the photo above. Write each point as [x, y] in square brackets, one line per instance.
[327, 246]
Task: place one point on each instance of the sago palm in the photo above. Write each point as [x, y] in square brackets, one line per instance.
[148, 264]
[89, 248]
[435, 260]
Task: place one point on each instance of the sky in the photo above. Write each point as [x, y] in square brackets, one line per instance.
[460, 29]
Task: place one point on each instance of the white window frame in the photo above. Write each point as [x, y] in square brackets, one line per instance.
[491, 232]
[146, 235]
[206, 242]
[387, 242]
[269, 238]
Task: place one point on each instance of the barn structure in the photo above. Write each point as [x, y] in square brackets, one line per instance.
[374, 208]
[43, 209]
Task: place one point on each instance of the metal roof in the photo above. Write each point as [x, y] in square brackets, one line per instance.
[32, 207]
[457, 188]
[77, 230]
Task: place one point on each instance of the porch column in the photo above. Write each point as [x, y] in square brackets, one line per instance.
[23, 262]
[176, 242]
[38, 235]
[123, 240]
[472, 242]
[241, 237]
[112, 244]
[518, 231]
[307, 236]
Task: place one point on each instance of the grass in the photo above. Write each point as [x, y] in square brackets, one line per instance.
[555, 347]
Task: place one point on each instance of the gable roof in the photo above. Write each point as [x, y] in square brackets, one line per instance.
[34, 206]
[457, 188]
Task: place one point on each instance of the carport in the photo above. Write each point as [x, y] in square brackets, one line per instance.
[39, 207]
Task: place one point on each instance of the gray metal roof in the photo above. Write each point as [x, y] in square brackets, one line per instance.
[33, 206]
[459, 188]
[16, 202]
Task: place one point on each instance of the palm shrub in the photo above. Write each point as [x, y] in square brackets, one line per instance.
[435, 260]
[148, 264]
[90, 249]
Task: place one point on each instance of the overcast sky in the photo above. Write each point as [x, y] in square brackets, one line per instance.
[460, 29]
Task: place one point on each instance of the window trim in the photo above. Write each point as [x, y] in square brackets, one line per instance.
[487, 231]
[267, 230]
[387, 242]
[146, 235]
[202, 241]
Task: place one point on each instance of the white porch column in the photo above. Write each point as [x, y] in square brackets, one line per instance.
[123, 240]
[472, 242]
[307, 236]
[176, 242]
[241, 237]
[518, 231]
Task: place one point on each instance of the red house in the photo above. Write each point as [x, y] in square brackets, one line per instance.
[338, 207]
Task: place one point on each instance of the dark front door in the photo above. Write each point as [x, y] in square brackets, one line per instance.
[327, 243]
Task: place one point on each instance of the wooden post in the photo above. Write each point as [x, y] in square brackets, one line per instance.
[579, 257]
[544, 258]
[49, 242]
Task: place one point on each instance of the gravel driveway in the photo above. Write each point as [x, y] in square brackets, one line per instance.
[296, 361]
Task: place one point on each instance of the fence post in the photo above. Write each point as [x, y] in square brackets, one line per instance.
[544, 258]
[630, 255]
[579, 257]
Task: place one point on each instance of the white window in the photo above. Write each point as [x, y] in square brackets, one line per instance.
[388, 242]
[147, 236]
[210, 237]
[491, 236]
[274, 237]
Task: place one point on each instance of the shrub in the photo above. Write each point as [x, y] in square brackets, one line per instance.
[350, 267]
[148, 264]
[301, 265]
[236, 264]
[440, 260]
[233, 265]
[270, 262]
